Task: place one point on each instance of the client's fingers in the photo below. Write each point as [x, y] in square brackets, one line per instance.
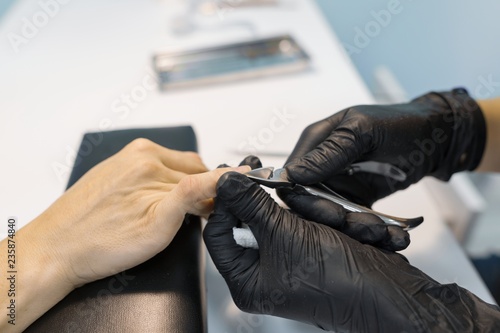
[193, 189]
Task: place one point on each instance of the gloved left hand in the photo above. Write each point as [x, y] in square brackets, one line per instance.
[312, 273]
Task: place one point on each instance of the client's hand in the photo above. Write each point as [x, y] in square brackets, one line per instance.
[118, 215]
[126, 209]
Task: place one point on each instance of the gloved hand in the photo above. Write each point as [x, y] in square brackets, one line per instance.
[312, 273]
[365, 228]
[436, 134]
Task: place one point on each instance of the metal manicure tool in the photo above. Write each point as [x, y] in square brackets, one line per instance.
[277, 178]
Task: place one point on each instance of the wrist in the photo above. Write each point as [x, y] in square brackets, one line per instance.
[469, 129]
[491, 158]
[40, 281]
[42, 253]
[461, 120]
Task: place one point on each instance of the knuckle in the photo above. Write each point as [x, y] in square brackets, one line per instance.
[140, 145]
[322, 127]
[364, 119]
[145, 167]
[192, 156]
[311, 130]
[196, 161]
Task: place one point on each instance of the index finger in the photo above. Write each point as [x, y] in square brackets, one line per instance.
[199, 187]
[184, 161]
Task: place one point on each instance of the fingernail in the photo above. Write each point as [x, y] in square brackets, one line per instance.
[242, 169]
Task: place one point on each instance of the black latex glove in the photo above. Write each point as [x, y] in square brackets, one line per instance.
[437, 134]
[365, 228]
[308, 272]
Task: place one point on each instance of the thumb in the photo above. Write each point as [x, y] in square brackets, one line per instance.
[250, 204]
[231, 259]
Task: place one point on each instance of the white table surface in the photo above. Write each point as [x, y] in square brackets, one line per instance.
[71, 76]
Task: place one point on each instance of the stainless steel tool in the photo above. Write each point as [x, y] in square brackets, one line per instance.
[277, 178]
[243, 60]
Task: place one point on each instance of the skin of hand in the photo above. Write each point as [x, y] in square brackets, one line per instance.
[121, 213]
[436, 134]
[491, 157]
[309, 272]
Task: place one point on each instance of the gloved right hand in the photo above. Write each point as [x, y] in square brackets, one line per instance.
[437, 134]
[312, 273]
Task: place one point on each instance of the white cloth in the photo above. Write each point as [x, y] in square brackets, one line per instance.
[245, 238]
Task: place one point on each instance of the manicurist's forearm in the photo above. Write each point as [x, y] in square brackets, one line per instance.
[491, 157]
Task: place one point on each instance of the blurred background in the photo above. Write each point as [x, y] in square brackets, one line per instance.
[427, 45]
[406, 48]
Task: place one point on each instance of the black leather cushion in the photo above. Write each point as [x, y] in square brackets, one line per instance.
[164, 294]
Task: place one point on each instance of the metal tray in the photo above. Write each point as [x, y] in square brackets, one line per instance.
[257, 58]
